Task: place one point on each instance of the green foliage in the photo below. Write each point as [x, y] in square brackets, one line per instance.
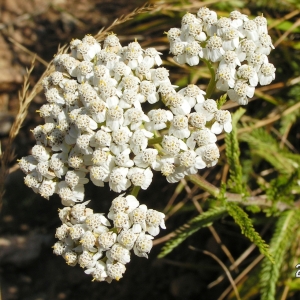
[280, 243]
[192, 226]
[235, 182]
[278, 5]
[288, 120]
[281, 188]
[221, 101]
[241, 218]
[265, 146]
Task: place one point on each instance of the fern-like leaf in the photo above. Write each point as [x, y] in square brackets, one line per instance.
[279, 245]
[265, 146]
[235, 182]
[241, 218]
[195, 224]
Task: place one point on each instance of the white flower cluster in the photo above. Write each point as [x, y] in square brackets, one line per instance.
[95, 126]
[240, 47]
[94, 123]
[85, 239]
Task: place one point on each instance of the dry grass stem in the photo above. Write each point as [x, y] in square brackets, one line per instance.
[233, 285]
[34, 55]
[103, 31]
[241, 276]
[215, 235]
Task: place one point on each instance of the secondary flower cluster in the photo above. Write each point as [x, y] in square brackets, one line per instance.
[94, 123]
[240, 47]
[85, 239]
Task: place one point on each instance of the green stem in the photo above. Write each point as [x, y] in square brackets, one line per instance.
[212, 82]
[203, 184]
[156, 140]
[232, 197]
[135, 191]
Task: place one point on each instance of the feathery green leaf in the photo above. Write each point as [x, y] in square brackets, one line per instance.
[195, 224]
[265, 146]
[241, 218]
[235, 182]
[280, 243]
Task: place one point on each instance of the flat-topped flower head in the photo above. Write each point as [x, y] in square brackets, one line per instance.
[127, 238]
[265, 44]
[152, 57]
[74, 178]
[266, 73]
[139, 140]
[210, 154]
[118, 253]
[261, 23]
[193, 94]
[196, 31]
[101, 139]
[47, 188]
[88, 241]
[178, 104]
[143, 245]
[115, 117]
[197, 120]
[154, 220]
[86, 260]
[179, 127]
[248, 73]
[140, 177]
[115, 270]
[40, 153]
[237, 18]
[222, 122]
[118, 180]
[214, 49]
[160, 76]
[204, 12]
[112, 43]
[172, 145]
[59, 248]
[241, 92]
[158, 119]
[123, 204]
[191, 162]
[97, 223]
[106, 240]
[71, 258]
[193, 53]
[225, 78]
[79, 212]
[207, 108]
[201, 138]
[146, 158]
[222, 25]
[27, 164]
[99, 174]
[98, 271]
[77, 231]
[250, 30]
[174, 34]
